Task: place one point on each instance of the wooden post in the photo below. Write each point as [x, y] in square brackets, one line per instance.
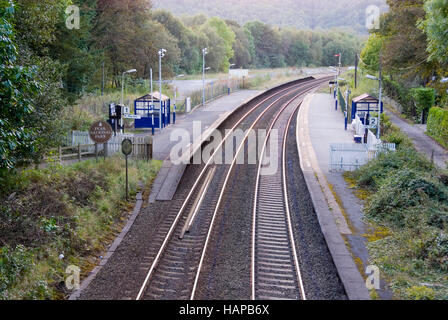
[79, 152]
[127, 182]
[149, 147]
[105, 150]
[96, 152]
[60, 155]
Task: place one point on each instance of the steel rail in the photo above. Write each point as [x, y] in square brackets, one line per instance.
[256, 194]
[187, 199]
[226, 181]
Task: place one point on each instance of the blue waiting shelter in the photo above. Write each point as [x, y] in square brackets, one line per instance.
[150, 114]
[364, 105]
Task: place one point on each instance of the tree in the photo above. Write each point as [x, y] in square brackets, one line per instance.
[225, 33]
[435, 26]
[424, 99]
[267, 45]
[371, 52]
[118, 32]
[242, 46]
[17, 85]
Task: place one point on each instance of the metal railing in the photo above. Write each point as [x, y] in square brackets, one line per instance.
[349, 157]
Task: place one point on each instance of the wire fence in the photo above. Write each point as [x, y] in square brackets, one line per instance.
[213, 90]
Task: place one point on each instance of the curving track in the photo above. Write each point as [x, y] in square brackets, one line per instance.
[181, 246]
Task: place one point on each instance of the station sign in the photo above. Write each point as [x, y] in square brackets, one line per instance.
[131, 116]
[100, 132]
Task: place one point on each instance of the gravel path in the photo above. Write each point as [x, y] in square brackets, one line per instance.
[422, 142]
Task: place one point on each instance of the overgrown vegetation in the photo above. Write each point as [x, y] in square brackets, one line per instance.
[75, 211]
[407, 196]
[438, 125]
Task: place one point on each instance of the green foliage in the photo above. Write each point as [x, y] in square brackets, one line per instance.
[370, 54]
[404, 193]
[434, 25]
[303, 14]
[73, 210]
[372, 174]
[226, 33]
[16, 88]
[424, 98]
[409, 197]
[437, 125]
[401, 94]
[14, 263]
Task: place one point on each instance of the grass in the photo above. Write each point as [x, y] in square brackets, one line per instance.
[75, 211]
[406, 206]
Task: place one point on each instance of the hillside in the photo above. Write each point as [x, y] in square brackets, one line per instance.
[303, 14]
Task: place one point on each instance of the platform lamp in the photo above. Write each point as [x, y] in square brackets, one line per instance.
[228, 84]
[379, 102]
[122, 83]
[175, 96]
[204, 53]
[162, 53]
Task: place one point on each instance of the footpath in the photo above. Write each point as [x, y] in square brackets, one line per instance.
[422, 142]
[338, 209]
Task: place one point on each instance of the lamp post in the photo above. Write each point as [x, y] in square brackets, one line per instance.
[161, 55]
[228, 84]
[175, 96]
[379, 103]
[122, 83]
[204, 53]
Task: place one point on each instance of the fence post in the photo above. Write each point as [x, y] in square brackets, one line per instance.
[149, 147]
[105, 150]
[60, 155]
[96, 152]
[79, 152]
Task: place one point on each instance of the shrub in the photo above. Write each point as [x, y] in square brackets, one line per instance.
[13, 264]
[375, 171]
[424, 99]
[420, 293]
[405, 193]
[438, 125]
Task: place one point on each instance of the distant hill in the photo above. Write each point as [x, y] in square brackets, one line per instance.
[303, 14]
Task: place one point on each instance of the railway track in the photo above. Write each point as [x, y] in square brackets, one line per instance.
[180, 246]
[275, 268]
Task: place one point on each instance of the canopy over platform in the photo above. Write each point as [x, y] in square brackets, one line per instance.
[364, 105]
[365, 98]
[155, 97]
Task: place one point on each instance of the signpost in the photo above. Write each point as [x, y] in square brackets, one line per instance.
[126, 148]
[100, 132]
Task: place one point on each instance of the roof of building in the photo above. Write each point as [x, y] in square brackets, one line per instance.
[365, 98]
[155, 95]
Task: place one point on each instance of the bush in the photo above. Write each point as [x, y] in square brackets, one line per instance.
[424, 99]
[438, 125]
[400, 94]
[420, 293]
[372, 174]
[13, 264]
[71, 210]
[404, 193]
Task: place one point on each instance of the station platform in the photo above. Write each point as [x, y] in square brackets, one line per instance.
[206, 115]
[339, 210]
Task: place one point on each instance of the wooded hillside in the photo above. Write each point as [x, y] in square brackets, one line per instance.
[303, 14]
